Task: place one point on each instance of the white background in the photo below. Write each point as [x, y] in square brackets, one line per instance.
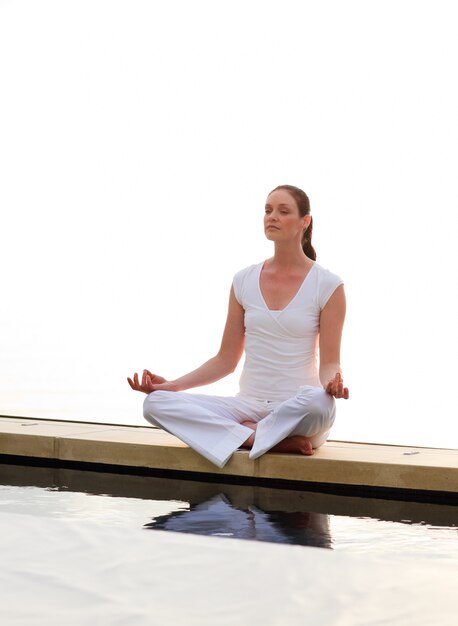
[138, 142]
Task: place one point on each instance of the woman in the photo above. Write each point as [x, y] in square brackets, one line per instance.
[282, 312]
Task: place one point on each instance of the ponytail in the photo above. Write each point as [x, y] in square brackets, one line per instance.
[307, 247]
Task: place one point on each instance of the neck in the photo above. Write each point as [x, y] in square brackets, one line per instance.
[287, 257]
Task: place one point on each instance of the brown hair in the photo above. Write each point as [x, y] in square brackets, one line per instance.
[303, 204]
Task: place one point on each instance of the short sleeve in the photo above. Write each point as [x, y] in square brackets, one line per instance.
[237, 285]
[328, 283]
[241, 282]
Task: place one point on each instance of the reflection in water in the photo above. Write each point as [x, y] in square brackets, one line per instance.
[294, 516]
[219, 517]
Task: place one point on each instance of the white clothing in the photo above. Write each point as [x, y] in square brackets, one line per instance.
[279, 385]
[211, 424]
[281, 346]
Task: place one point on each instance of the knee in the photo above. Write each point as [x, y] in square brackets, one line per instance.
[319, 405]
[153, 402]
[316, 399]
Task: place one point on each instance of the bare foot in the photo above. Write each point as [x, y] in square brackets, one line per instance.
[297, 444]
[248, 444]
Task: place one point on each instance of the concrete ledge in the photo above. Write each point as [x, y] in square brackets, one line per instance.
[337, 463]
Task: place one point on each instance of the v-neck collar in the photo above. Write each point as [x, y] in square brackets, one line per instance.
[261, 265]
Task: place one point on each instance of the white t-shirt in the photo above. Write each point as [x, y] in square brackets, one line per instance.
[281, 346]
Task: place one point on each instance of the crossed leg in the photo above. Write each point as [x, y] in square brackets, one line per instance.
[297, 444]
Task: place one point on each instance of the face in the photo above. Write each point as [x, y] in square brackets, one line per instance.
[282, 220]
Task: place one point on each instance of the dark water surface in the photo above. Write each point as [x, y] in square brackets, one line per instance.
[275, 515]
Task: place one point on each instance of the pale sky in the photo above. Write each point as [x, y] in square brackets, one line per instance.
[138, 142]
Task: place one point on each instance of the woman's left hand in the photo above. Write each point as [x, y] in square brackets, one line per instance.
[335, 387]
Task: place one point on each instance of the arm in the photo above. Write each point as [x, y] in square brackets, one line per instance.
[331, 324]
[222, 364]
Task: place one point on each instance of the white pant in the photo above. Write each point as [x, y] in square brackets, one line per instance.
[211, 424]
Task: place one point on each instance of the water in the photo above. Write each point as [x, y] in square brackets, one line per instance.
[340, 523]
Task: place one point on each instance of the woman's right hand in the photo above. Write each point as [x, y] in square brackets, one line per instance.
[150, 382]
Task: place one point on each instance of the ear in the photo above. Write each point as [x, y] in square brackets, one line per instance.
[306, 222]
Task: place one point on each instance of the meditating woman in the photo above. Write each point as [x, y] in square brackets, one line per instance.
[285, 313]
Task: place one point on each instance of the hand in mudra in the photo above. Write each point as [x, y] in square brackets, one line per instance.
[335, 387]
[150, 382]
